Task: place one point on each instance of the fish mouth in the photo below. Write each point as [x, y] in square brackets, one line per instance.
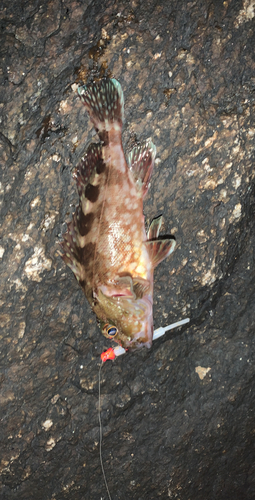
[111, 292]
[115, 295]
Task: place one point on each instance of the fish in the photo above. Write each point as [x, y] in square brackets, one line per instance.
[106, 244]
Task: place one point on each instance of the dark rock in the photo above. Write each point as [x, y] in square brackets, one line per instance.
[178, 420]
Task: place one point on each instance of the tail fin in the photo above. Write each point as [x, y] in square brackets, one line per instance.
[105, 103]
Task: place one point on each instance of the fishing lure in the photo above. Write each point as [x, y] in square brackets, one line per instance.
[106, 244]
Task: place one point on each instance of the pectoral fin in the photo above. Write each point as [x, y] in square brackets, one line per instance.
[159, 249]
[140, 287]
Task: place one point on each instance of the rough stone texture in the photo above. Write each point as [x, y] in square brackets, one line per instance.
[178, 420]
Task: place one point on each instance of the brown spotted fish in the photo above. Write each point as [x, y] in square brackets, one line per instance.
[106, 244]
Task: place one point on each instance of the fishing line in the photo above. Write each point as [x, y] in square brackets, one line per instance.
[101, 431]
[111, 354]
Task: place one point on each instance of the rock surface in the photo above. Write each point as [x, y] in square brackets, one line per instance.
[178, 420]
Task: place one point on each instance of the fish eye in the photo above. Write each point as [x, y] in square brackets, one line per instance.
[110, 330]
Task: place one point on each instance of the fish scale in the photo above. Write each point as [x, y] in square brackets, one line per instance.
[106, 245]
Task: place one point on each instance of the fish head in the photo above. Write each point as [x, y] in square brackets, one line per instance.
[126, 319]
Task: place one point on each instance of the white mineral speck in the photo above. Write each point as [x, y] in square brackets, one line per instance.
[34, 202]
[37, 264]
[47, 424]
[50, 444]
[236, 181]
[22, 328]
[201, 371]
[237, 212]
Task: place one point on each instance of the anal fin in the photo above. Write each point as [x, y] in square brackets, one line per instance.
[141, 161]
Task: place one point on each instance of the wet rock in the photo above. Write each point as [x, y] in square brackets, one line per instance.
[178, 420]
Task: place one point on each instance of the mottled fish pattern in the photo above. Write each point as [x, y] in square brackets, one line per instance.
[106, 244]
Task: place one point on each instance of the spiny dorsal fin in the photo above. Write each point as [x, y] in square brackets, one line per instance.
[159, 249]
[154, 228]
[71, 250]
[141, 162]
[105, 103]
[87, 176]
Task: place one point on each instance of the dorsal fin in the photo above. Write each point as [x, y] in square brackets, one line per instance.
[160, 249]
[141, 162]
